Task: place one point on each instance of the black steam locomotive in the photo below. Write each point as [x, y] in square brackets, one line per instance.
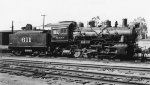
[67, 38]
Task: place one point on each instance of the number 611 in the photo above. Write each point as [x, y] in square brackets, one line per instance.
[26, 39]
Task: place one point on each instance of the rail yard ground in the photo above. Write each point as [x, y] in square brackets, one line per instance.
[7, 79]
[14, 78]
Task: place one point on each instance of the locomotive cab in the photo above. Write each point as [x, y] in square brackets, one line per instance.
[62, 37]
[63, 31]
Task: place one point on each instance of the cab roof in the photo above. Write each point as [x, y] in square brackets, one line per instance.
[62, 24]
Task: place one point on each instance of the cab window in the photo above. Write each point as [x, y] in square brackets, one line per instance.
[63, 31]
[56, 31]
[60, 31]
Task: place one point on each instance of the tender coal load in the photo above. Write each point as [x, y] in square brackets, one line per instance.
[23, 28]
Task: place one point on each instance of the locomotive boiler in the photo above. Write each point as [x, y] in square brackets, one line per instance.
[106, 41]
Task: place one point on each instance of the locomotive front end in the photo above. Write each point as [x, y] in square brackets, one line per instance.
[107, 41]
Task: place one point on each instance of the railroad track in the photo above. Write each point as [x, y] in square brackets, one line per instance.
[77, 65]
[77, 71]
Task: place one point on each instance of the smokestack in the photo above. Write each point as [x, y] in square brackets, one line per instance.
[108, 23]
[116, 24]
[92, 23]
[124, 22]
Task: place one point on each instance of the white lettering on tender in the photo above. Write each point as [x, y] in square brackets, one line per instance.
[26, 39]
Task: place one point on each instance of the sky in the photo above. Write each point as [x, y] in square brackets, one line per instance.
[24, 12]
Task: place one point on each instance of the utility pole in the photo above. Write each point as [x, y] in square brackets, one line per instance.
[43, 20]
[12, 27]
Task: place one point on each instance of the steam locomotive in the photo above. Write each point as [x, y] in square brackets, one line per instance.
[67, 38]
